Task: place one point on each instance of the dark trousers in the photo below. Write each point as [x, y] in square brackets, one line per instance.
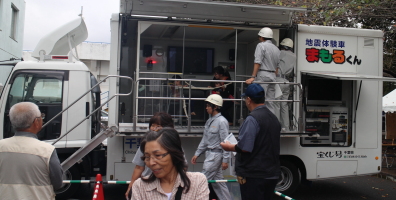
[258, 188]
[226, 109]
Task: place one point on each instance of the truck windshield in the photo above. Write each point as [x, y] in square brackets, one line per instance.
[42, 87]
[36, 88]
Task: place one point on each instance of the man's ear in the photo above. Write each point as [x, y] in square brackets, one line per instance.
[36, 123]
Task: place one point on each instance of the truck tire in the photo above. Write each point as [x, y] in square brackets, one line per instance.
[68, 190]
[289, 178]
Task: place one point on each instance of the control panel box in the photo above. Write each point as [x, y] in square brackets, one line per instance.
[331, 123]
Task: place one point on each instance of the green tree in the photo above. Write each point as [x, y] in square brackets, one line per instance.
[369, 14]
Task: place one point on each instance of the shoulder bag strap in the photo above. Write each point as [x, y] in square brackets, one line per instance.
[179, 193]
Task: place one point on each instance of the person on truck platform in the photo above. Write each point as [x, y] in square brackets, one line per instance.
[265, 62]
[216, 159]
[30, 169]
[226, 91]
[169, 179]
[284, 70]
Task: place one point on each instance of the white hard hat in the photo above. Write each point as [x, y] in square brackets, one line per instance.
[215, 99]
[266, 33]
[287, 42]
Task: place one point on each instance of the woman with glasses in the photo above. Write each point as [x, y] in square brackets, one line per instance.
[157, 122]
[163, 154]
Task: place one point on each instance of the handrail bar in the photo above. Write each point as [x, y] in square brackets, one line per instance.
[195, 98]
[200, 80]
[109, 76]
[162, 73]
[189, 87]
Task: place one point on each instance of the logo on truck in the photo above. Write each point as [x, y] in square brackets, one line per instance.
[133, 143]
[318, 52]
[338, 154]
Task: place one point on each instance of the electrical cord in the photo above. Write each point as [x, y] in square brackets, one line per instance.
[12, 59]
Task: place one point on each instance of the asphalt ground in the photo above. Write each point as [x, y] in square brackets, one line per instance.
[352, 188]
[381, 186]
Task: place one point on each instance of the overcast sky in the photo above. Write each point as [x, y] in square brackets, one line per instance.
[43, 16]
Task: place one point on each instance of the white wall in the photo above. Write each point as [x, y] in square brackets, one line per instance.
[9, 47]
[100, 69]
[94, 51]
[5, 71]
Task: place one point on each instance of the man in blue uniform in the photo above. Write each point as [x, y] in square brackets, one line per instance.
[216, 159]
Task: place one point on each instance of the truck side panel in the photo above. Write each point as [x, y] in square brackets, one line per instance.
[367, 115]
[78, 83]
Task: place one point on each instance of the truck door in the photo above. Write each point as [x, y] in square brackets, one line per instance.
[42, 87]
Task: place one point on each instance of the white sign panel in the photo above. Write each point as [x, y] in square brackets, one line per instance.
[331, 53]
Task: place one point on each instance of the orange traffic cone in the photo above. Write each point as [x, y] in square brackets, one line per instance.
[98, 190]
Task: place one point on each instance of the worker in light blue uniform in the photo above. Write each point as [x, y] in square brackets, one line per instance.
[216, 159]
[284, 70]
[266, 59]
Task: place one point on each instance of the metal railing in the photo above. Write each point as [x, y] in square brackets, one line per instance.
[104, 96]
[93, 112]
[190, 87]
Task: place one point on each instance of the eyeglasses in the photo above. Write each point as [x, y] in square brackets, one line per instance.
[42, 117]
[155, 158]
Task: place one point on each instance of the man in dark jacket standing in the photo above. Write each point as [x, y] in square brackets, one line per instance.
[257, 161]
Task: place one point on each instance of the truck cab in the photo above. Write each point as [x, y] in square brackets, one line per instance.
[54, 82]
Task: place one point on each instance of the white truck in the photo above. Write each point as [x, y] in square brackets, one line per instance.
[335, 106]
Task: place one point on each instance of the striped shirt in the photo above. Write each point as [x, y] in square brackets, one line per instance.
[267, 55]
[198, 188]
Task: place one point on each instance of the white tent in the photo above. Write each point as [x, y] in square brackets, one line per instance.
[389, 102]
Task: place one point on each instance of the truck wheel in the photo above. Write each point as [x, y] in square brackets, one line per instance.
[289, 178]
[68, 190]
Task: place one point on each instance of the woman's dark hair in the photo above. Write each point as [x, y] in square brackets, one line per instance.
[219, 70]
[169, 139]
[222, 71]
[176, 77]
[163, 119]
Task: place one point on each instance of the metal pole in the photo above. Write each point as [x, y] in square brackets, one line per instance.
[189, 108]
[94, 110]
[235, 72]
[84, 95]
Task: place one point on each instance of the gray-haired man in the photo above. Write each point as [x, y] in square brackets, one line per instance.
[30, 169]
